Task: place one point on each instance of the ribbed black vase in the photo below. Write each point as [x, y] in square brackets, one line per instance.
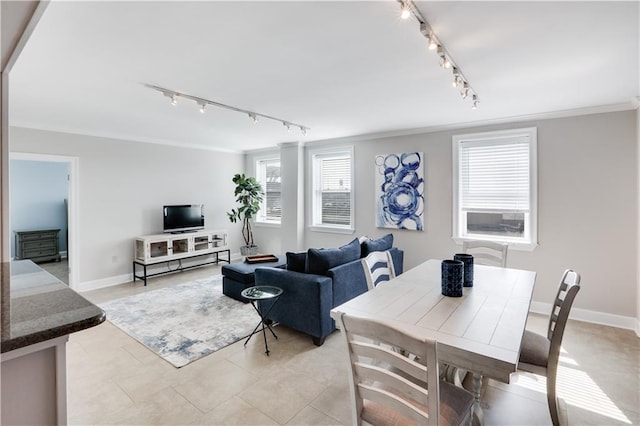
[452, 278]
[467, 259]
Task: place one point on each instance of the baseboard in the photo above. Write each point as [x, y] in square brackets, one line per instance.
[105, 282]
[612, 320]
[127, 278]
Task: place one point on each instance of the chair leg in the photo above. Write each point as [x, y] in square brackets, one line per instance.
[552, 400]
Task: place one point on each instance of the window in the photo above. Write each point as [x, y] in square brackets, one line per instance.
[332, 191]
[268, 174]
[495, 183]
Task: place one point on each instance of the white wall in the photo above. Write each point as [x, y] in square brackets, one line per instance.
[638, 218]
[588, 212]
[123, 186]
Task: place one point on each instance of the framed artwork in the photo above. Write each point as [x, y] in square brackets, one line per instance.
[400, 190]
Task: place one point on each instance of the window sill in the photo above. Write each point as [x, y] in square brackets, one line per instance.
[513, 245]
[332, 229]
[267, 224]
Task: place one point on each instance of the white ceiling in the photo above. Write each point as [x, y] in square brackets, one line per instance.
[340, 68]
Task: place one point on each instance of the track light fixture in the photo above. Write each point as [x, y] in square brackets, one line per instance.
[203, 103]
[475, 102]
[404, 9]
[465, 91]
[407, 8]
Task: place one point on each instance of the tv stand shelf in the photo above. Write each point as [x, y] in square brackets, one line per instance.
[164, 248]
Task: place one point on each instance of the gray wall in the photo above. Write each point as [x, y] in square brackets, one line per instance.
[588, 212]
[123, 186]
[38, 191]
[587, 198]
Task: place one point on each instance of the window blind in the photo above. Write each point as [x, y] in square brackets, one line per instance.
[494, 175]
[335, 190]
[268, 172]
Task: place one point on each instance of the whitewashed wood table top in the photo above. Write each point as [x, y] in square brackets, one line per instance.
[480, 331]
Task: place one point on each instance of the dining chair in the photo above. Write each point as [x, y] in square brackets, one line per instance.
[486, 252]
[378, 267]
[388, 388]
[540, 354]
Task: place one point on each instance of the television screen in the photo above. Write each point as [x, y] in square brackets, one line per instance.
[183, 218]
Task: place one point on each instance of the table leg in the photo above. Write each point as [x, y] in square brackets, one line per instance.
[478, 416]
[263, 322]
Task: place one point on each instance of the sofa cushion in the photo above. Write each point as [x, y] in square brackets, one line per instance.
[380, 244]
[319, 261]
[243, 272]
[296, 261]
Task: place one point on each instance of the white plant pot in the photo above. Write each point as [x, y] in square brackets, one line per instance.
[248, 250]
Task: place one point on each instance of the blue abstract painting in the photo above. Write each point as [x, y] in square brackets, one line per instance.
[400, 191]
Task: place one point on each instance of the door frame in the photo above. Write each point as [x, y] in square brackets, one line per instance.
[73, 253]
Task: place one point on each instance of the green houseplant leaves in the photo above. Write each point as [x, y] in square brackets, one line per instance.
[249, 194]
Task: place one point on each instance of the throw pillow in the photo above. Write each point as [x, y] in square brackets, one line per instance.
[296, 261]
[381, 244]
[319, 261]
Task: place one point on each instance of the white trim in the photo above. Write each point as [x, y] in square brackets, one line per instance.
[273, 156]
[73, 219]
[105, 282]
[310, 171]
[595, 317]
[532, 234]
[120, 136]
[61, 383]
[258, 224]
[36, 347]
[128, 278]
[332, 229]
[599, 109]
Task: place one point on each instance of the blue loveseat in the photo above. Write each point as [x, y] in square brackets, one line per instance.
[318, 280]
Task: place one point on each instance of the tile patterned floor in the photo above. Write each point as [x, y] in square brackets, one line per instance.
[113, 379]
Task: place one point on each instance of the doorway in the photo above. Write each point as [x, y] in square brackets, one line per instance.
[57, 176]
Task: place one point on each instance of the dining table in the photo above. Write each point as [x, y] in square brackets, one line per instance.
[479, 332]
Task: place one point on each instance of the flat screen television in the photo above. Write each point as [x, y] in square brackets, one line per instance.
[183, 218]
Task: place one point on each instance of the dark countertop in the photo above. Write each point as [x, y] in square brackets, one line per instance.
[37, 307]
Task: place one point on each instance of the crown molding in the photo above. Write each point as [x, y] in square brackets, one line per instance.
[633, 104]
[601, 109]
[119, 136]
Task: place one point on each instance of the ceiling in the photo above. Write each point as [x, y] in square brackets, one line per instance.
[340, 68]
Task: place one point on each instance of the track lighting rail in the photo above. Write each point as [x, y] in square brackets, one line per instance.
[203, 103]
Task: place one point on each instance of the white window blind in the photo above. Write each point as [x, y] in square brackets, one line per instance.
[268, 174]
[495, 176]
[332, 188]
[495, 187]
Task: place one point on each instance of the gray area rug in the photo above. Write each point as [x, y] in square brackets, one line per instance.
[185, 322]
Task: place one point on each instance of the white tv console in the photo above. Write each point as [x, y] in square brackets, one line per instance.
[160, 248]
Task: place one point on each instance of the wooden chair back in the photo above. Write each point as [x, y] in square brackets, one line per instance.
[378, 267]
[486, 252]
[567, 291]
[532, 357]
[385, 384]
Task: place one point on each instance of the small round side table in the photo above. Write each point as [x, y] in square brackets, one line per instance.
[255, 294]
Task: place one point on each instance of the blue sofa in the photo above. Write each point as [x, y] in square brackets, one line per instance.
[318, 280]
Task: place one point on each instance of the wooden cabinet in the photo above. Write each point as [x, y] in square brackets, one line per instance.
[153, 249]
[39, 245]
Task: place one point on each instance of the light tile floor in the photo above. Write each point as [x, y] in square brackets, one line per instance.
[113, 379]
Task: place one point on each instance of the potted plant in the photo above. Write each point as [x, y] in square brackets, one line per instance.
[249, 195]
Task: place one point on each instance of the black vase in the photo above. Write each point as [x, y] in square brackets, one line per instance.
[452, 278]
[467, 259]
